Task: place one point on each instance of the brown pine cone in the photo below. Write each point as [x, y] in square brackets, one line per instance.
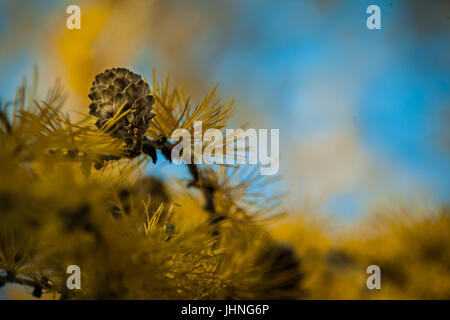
[110, 90]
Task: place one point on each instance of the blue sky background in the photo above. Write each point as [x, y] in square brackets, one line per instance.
[363, 114]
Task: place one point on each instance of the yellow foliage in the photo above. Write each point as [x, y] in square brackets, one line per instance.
[70, 195]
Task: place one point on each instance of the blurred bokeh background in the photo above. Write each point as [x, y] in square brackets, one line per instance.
[363, 114]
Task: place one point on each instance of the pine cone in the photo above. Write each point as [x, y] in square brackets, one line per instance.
[113, 88]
